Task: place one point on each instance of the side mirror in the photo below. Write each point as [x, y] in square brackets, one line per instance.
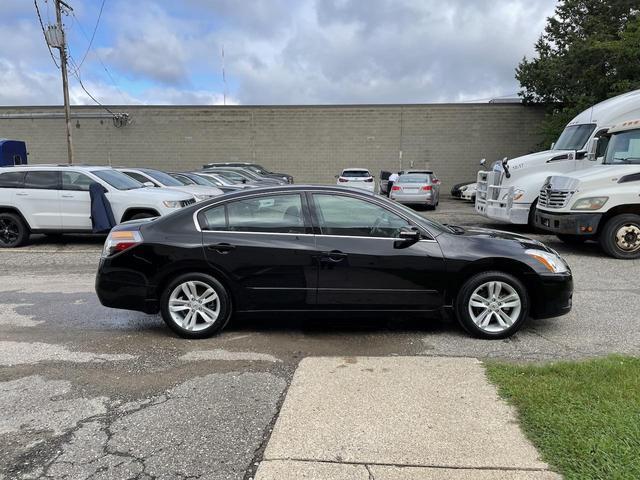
[553, 145]
[483, 161]
[149, 184]
[592, 148]
[408, 236]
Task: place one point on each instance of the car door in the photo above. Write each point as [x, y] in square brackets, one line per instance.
[39, 199]
[263, 245]
[360, 264]
[75, 201]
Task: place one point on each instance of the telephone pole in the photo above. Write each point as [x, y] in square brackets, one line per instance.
[56, 39]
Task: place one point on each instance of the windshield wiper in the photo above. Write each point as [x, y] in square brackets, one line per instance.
[454, 228]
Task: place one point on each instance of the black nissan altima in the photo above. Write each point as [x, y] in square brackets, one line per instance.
[325, 249]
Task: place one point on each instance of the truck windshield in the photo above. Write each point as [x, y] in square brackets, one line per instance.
[117, 179]
[623, 148]
[574, 137]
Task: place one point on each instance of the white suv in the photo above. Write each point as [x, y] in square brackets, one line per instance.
[56, 199]
[356, 178]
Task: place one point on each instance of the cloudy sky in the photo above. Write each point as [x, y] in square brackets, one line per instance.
[276, 51]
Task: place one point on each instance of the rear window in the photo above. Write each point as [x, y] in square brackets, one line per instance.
[414, 179]
[42, 180]
[12, 179]
[355, 173]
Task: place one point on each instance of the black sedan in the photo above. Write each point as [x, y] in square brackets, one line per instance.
[325, 249]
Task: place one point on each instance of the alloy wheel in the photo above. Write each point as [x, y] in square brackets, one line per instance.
[194, 305]
[9, 231]
[494, 306]
[628, 237]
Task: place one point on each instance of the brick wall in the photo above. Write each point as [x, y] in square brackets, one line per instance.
[313, 143]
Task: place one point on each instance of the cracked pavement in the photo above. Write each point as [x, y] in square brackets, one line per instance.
[89, 392]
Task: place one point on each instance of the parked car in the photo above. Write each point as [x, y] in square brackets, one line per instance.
[456, 191]
[416, 189]
[383, 182]
[195, 179]
[469, 192]
[246, 176]
[254, 167]
[326, 249]
[356, 178]
[220, 180]
[160, 179]
[600, 203]
[56, 199]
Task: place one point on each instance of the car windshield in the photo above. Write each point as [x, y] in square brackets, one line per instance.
[624, 148]
[117, 179]
[413, 179]
[232, 176]
[164, 178]
[201, 180]
[183, 180]
[574, 137]
[355, 173]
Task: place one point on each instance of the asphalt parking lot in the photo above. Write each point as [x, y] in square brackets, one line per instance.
[86, 390]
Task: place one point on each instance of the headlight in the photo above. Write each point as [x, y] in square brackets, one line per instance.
[171, 204]
[591, 203]
[550, 261]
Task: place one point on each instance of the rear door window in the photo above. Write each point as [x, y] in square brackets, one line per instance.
[42, 180]
[12, 179]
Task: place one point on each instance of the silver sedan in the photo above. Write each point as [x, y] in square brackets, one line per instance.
[416, 189]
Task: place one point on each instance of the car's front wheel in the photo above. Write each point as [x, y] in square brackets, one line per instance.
[492, 305]
[195, 305]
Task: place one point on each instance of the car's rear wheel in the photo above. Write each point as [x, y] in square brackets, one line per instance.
[13, 231]
[492, 305]
[195, 305]
[620, 236]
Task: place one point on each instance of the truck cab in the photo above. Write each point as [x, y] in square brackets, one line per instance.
[602, 203]
[509, 190]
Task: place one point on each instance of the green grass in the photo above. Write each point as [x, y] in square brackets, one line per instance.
[584, 417]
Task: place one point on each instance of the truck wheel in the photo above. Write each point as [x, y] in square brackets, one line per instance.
[532, 215]
[13, 231]
[572, 239]
[620, 237]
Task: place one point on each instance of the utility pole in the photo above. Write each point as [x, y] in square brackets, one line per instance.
[58, 40]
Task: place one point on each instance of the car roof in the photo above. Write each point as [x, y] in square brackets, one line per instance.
[49, 166]
[354, 169]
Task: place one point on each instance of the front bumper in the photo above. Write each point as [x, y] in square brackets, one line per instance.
[568, 223]
[550, 295]
[517, 213]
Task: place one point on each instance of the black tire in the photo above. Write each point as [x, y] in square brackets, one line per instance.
[610, 243]
[141, 215]
[223, 298]
[532, 215]
[464, 295]
[572, 239]
[13, 231]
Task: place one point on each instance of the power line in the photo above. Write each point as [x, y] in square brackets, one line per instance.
[104, 67]
[35, 2]
[76, 74]
[95, 29]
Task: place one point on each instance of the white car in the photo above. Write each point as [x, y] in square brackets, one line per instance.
[356, 178]
[468, 192]
[55, 199]
[157, 178]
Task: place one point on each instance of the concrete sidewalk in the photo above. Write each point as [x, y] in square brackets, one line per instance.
[397, 418]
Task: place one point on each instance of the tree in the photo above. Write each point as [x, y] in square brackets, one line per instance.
[589, 51]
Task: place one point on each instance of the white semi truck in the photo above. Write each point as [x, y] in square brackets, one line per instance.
[509, 191]
[602, 203]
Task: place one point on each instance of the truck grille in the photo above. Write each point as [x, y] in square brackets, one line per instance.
[186, 203]
[553, 198]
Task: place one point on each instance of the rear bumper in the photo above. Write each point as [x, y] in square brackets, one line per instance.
[125, 289]
[410, 199]
[550, 295]
[568, 223]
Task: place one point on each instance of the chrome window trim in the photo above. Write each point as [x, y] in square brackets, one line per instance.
[223, 201]
[311, 235]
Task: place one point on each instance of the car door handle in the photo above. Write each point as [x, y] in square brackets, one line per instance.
[67, 195]
[222, 248]
[22, 194]
[334, 256]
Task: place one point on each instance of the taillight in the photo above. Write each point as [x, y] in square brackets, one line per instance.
[425, 188]
[342, 179]
[121, 240]
[369, 179]
[396, 188]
